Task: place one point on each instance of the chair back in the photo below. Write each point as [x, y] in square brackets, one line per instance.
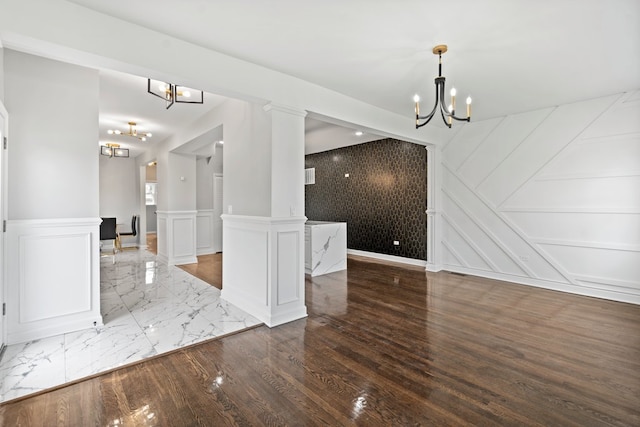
[134, 223]
[108, 229]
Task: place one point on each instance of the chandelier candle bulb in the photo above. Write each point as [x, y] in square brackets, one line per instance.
[468, 106]
[453, 99]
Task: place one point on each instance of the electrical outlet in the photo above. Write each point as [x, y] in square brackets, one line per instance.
[396, 243]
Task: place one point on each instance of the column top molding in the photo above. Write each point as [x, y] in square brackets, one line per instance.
[284, 109]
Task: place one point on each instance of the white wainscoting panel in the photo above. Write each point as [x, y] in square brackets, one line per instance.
[179, 230]
[549, 198]
[263, 266]
[161, 236]
[53, 277]
[204, 232]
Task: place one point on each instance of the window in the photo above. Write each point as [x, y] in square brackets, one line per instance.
[151, 191]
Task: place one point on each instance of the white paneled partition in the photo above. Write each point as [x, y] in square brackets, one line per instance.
[548, 198]
[263, 266]
[53, 277]
[177, 237]
[204, 232]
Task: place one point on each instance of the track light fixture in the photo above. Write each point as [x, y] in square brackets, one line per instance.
[133, 132]
[113, 150]
[448, 113]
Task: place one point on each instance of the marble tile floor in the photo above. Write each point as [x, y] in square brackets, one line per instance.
[148, 308]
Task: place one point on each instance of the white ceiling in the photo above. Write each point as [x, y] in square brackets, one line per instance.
[510, 56]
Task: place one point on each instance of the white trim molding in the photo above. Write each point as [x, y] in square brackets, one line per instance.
[385, 257]
[433, 212]
[263, 266]
[53, 277]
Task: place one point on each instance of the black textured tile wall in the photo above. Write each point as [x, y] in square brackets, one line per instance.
[383, 199]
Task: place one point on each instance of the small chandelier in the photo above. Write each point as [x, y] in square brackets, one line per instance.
[133, 132]
[447, 113]
[174, 94]
[113, 150]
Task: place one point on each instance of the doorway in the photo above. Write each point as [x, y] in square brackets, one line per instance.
[3, 141]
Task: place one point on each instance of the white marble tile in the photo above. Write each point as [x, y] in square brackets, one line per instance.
[177, 326]
[147, 307]
[33, 366]
[96, 350]
[227, 317]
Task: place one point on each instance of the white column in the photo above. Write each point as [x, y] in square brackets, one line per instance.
[434, 208]
[263, 262]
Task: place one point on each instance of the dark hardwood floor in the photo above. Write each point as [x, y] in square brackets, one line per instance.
[208, 268]
[383, 345]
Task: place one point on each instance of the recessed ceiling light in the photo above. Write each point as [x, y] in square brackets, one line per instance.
[358, 133]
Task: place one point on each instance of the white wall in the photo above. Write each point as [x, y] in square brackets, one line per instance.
[247, 154]
[1, 73]
[246, 134]
[53, 161]
[181, 182]
[549, 198]
[119, 189]
[52, 253]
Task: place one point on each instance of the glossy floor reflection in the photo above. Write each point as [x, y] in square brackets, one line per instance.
[148, 308]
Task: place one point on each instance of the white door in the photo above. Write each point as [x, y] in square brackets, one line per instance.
[217, 211]
[3, 135]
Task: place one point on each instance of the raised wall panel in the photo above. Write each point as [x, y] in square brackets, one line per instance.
[596, 157]
[183, 228]
[263, 270]
[600, 228]
[177, 237]
[249, 283]
[41, 288]
[558, 130]
[617, 266]
[552, 192]
[464, 143]
[505, 137]
[204, 232]
[620, 193]
[287, 279]
[53, 277]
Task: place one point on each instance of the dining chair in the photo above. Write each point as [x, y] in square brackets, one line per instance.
[108, 232]
[133, 232]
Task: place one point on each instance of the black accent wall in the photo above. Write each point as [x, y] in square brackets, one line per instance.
[383, 199]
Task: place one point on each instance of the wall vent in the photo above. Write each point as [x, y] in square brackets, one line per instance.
[309, 176]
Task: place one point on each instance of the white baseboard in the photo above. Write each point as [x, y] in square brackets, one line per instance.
[609, 294]
[384, 257]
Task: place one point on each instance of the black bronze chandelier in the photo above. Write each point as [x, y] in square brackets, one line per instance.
[173, 93]
[448, 113]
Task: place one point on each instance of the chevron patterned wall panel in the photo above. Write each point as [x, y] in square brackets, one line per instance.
[549, 198]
